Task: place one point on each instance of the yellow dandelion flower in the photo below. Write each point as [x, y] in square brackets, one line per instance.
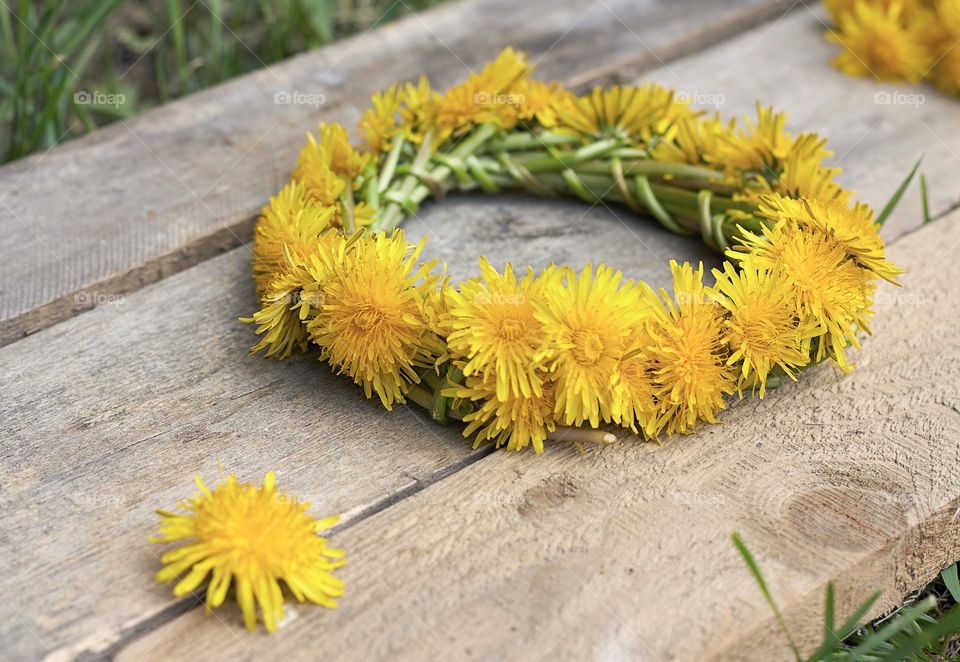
[314, 170]
[419, 109]
[761, 328]
[363, 214]
[287, 232]
[541, 101]
[692, 372]
[696, 141]
[634, 388]
[588, 321]
[484, 97]
[828, 287]
[853, 228]
[369, 326]
[759, 145]
[838, 8]
[252, 537]
[517, 420]
[333, 148]
[876, 44]
[939, 32]
[631, 113]
[378, 125]
[493, 327]
[805, 176]
[283, 309]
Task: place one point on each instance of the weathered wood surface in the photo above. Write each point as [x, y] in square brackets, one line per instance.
[110, 415]
[624, 552]
[877, 131]
[139, 200]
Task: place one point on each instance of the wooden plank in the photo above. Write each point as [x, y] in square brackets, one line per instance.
[139, 200]
[877, 130]
[109, 415]
[624, 552]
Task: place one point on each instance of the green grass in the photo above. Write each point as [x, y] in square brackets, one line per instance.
[924, 628]
[68, 66]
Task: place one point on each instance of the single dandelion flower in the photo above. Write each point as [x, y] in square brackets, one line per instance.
[344, 159]
[588, 321]
[838, 8]
[252, 537]
[516, 421]
[876, 44]
[541, 102]
[805, 176]
[853, 228]
[761, 328]
[692, 373]
[315, 172]
[759, 145]
[483, 98]
[378, 125]
[938, 30]
[633, 383]
[493, 327]
[419, 110]
[280, 319]
[827, 286]
[287, 232]
[369, 326]
[697, 141]
[628, 113]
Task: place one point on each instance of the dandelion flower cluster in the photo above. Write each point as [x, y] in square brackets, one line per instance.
[899, 40]
[520, 356]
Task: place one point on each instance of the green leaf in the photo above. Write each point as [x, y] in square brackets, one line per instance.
[895, 200]
[952, 581]
[758, 577]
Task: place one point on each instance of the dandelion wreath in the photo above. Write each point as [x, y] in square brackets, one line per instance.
[523, 357]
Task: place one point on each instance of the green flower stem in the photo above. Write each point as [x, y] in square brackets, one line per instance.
[490, 160]
[346, 201]
[386, 174]
[515, 141]
[539, 163]
[441, 173]
[394, 212]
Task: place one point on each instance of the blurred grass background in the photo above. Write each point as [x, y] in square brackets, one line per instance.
[69, 66]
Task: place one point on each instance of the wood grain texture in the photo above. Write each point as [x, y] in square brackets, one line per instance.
[876, 130]
[139, 200]
[109, 415]
[624, 552]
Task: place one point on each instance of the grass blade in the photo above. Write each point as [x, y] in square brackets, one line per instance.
[895, 200]
[914, 646]
[952, 581]
[758, 577]
[924, 199]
